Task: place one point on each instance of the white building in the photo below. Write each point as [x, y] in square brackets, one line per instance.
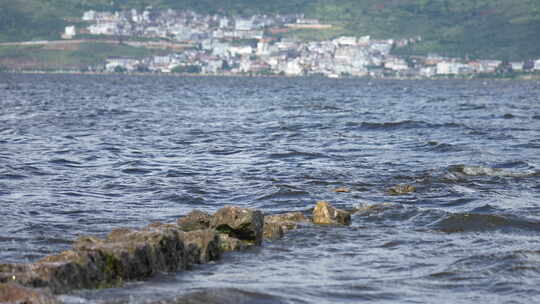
[263, 48]
[89, 16]
[241, 24]
[517, 66]
[384, 47]
[489, 66]
[453, 68]
[106, 28]
[537, 65]
[345, 40]
[69, 32]
[240, 50]
[396, 64]
[293, 68]
[126, 63]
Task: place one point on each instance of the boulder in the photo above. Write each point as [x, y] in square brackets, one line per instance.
[195, 220]
[14, 293]
[326, 214]
[401, 189]
[242, 223]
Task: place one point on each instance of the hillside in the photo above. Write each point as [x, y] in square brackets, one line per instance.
[462, 28]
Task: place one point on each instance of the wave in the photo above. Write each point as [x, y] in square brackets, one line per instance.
[296, 154]
[469, 222]
[226, 296]
[404, 124]
[487, 171]
[481, 219]
[513, 264]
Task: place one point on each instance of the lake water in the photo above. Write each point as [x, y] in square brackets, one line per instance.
[86, 154]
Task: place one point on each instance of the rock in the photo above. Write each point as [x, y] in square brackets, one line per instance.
[289, 217]
[326, 214]
[60, 273]
[275, 226]
[272, 231]
[85, 242]
[401, 189]
[202, 246]
[342, 190]
[118, 234]
[229, 243]
[241, 223]
[195, 220]
[14, 293]
[125, 255]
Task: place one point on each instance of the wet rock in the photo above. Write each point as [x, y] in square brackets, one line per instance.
[195, 220]
[141, 254]
[401, 189]
[229, 243]
[202, 246]
[289, 217]
[118, 234]
[326, 214]
[85, 242]
[241, 223]
[342, 190]
[61, 273]
[17, 294]
[275, 226]
[125, 255]
[272, 231]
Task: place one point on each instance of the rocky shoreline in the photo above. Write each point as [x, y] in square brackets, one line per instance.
[129, 255]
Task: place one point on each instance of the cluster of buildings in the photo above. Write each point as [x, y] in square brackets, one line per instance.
[224, 45]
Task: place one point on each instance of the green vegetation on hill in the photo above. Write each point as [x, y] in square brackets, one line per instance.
[79, 57]
[474, 28]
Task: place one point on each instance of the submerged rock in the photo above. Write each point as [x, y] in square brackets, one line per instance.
[401, 189]
[14, 293]
[195, 220]
[326, 214]
[376, 208]
[242, 223]
[342, 190]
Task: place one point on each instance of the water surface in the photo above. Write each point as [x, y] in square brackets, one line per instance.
[86, 154]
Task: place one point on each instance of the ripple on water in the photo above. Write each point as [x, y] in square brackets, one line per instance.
[85, 154]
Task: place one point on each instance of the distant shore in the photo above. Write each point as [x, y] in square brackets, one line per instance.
[68, 72]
